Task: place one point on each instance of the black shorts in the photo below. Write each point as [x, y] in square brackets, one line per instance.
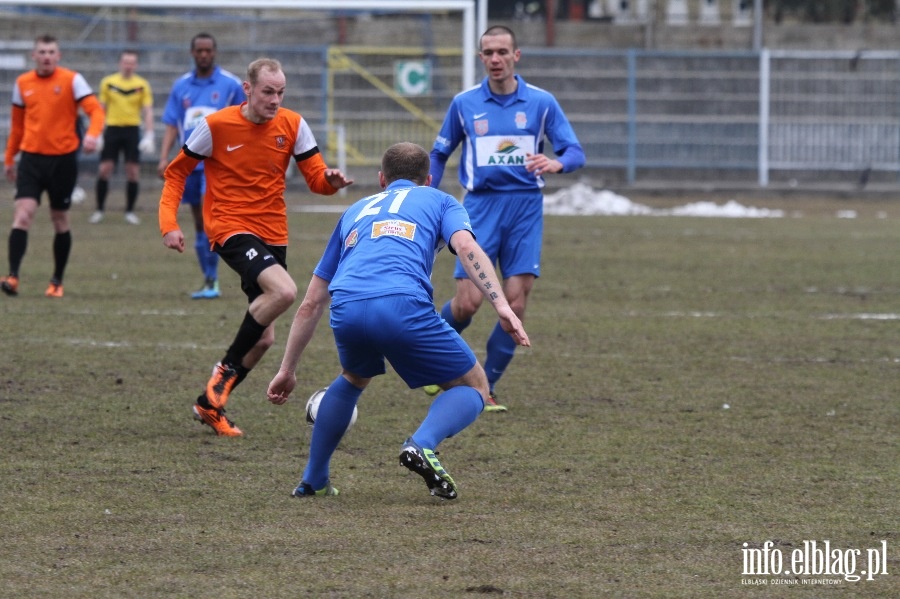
[121, 140]
[56, 175]
[248, 256]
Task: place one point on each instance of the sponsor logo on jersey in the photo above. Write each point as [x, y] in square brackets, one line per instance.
[481, 127]
[394, 228]
[507, 152]
[502, 150]
[352, 238]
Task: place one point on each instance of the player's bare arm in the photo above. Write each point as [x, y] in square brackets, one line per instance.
[303, 327]
[481, 272]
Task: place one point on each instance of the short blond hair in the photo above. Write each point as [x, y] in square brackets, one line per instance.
[259, 65]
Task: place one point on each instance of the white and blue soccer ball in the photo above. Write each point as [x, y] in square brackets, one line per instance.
[312, 408]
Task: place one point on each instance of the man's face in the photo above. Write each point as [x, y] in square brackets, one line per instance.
[127, 65]
[499, 57]
[265, 97]
[204, 53]
[46, 57]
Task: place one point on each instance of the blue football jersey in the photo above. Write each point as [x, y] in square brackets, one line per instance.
[386, 244]
[498, 131]
[192, 99]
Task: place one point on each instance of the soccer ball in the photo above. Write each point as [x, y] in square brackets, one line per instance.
[312, 408]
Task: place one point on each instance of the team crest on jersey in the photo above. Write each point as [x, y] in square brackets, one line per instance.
[215, 97]
[185, 102]
[280, 142]
[352, 238]
[394, 228]
[481, 127]
[57, 90]
[521, 120]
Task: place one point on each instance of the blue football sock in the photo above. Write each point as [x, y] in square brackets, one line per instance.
[335, 411]
[201, 246]
[211, 265]
[500, 351]
[447, 314]
[450, 412]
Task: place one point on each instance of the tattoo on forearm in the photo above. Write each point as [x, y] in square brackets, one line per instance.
[484, 278]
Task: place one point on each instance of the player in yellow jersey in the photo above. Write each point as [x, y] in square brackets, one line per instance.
[128, 100]
[45, 105]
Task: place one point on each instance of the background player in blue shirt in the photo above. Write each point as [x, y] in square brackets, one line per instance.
[503, 123]
[376, 268]
[195, 95]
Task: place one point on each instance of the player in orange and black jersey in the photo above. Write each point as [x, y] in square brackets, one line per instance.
[246, 150]
[45, 107]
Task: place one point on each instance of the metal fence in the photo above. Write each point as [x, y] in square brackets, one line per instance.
[644, 117]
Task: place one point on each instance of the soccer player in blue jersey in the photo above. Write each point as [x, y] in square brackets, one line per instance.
[502, 125]
[195, 95]
[376, 272]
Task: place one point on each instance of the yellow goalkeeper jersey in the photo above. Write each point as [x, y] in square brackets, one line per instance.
[124, 99]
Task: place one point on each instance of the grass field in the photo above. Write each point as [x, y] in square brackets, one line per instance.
[697, 387]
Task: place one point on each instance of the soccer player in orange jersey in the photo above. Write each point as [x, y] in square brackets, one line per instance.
[246, 150]
[45, 106]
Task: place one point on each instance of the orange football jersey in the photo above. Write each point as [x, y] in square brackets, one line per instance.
[245, 174]
[45, 111]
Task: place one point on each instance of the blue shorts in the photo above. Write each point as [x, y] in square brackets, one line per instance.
[194, 188]
[407, 331]
[509, 227]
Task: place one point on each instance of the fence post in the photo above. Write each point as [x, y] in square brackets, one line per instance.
[764, 72]
[631, 166]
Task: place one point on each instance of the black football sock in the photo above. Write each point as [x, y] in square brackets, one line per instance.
[131, 194]
[247, 336]
[18, 243]
[102, 191]
[62, 246]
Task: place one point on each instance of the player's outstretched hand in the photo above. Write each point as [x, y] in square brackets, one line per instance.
[281, 386]
[512, 325]
[337, 179]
